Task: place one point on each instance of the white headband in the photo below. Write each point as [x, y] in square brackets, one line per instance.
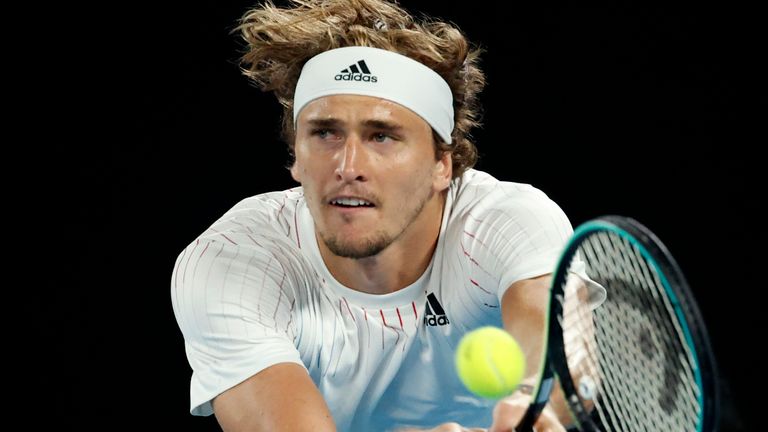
[379, 73]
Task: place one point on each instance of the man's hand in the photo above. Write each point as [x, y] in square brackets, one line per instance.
[509, 411]
[506, 416]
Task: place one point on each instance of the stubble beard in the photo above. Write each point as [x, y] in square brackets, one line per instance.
[376, 242]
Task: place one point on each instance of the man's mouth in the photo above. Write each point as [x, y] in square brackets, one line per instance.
[351, 202]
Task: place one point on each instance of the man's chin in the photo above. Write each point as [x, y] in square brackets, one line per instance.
[360, 249]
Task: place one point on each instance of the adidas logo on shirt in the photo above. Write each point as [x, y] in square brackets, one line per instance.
[434, 314]
[356, 72]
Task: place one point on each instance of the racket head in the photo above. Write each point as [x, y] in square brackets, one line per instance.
[649, 360]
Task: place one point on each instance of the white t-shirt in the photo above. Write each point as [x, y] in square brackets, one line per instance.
[253, 291]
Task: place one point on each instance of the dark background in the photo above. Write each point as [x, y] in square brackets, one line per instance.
[624, 107]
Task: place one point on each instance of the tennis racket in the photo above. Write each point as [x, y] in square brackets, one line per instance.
[641, 361]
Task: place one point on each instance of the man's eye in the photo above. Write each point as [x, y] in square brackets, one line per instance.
[380, 137]
[321, 133]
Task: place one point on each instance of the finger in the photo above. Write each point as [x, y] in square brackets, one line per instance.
[508, 413]
[548, 422]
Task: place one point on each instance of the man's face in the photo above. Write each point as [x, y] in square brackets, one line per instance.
[368, 169]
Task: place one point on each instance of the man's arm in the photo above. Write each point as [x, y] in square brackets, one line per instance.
[524, 314]
[281, 398]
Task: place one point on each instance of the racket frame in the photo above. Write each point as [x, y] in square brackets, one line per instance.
[554, 365]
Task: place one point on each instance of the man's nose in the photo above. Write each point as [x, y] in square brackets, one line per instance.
[352, 160]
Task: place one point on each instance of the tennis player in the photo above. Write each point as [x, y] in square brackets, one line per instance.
[337, 305]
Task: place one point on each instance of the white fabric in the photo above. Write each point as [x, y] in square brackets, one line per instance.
[252, 291]
[381, 73]
[596, 294]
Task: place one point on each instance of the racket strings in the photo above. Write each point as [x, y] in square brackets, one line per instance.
[640, 370]
[672, 327]
[646, 309]
[646, 344]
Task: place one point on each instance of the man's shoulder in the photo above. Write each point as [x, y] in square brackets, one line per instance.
[268, 204]
[270, 216]
[479, 191]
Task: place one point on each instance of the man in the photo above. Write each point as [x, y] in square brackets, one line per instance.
[337, 305]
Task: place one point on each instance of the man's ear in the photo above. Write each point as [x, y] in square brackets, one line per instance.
[443, 171]
[295, 171]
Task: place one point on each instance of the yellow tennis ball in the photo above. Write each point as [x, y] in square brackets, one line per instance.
[489, 362]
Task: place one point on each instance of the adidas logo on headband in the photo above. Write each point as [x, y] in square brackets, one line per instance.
[356, 72]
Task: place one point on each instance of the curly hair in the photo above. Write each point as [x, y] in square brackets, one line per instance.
[280, 40]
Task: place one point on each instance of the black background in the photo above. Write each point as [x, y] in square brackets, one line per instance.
[625, 107]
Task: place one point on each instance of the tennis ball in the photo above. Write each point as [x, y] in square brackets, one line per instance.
[489, 362]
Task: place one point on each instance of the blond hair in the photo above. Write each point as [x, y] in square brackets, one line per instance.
[280, 40]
